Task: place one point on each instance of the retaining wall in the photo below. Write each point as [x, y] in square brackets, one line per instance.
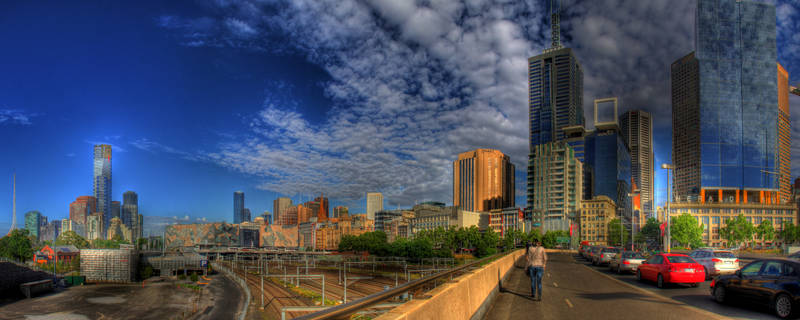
[465, 297]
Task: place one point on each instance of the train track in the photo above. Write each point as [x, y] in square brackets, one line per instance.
[284, 296]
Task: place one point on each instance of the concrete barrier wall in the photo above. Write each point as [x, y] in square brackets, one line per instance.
[462, 298]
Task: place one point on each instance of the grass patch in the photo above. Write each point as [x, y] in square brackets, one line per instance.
[190, 286]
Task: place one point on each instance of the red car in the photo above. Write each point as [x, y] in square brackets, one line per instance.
[671, 268]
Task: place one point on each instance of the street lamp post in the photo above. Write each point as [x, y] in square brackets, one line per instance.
[667, 239]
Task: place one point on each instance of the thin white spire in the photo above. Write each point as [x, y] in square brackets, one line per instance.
[14, 206]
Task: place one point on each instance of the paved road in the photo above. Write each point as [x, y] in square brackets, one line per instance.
[574, 291]
[226, 296]
[699, 297]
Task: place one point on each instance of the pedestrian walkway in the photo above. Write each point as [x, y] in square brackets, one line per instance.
[572, 291]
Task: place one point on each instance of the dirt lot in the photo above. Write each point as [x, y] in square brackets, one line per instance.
[156, 300]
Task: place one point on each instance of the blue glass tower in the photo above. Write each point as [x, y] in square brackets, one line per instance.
[238, 207]
[725, 105]
[102, 181]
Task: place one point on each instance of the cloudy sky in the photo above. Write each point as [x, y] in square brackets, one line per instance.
[303, 97]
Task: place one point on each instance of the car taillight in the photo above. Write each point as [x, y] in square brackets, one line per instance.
[737, 261]
[712, 282]
[716, 260]
[626, 262]
[601, 256]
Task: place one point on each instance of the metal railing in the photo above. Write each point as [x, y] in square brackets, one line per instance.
[347, 309]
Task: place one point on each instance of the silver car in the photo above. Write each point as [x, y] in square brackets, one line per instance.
[715, 261]
[627, 261]
[605, 256]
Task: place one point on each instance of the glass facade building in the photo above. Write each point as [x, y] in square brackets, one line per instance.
[33, 222]
[728, 90]
[238, 207]
[555, 101]
[609, 156]
[102, 181]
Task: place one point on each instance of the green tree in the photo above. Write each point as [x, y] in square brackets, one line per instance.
[737, 230]
[685, 230]
[488, 244]
[651, 231]
[789, 233]
[617, 233]
[140, 243]
[16, 245]
[765, 231]
[71, 238]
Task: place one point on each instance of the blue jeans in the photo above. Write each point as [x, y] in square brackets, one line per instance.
[536, 274]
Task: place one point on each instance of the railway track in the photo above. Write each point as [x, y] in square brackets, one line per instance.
[285, 297]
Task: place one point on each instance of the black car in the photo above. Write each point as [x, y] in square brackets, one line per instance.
[770, 282]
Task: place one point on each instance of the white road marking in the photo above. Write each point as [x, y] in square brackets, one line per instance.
[568, 303]
[555, 284]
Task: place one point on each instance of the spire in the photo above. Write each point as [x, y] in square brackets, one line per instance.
[555, 23]
[14, 206]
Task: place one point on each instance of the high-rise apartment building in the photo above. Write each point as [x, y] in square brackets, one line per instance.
[238, 207]
[725, 109]
[33, 222]
[102, 181]
[94, 226]
[374, 204]
[81, 208]
[483, 179]
[784, 137]
[279, 207]
[557, 186]
[637, 131]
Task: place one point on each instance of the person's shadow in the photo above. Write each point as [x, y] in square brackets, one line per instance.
[519, 264]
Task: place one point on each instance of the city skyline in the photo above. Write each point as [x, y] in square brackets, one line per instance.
[193, 168]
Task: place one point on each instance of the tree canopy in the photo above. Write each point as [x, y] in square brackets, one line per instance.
[16, 245]
[685, 230]
[614, 228]
[71, 238]
[765, 230]
[737, 230]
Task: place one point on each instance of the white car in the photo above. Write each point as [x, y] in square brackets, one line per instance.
[715, 261]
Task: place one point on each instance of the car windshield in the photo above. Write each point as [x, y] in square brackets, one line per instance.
[724, 254]
[679, 259]
[611, 250]
[633, 255]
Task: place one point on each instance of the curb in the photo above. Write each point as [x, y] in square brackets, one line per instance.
[710, 314]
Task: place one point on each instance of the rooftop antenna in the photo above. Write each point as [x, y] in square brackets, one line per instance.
[555, 23]
[14, 206]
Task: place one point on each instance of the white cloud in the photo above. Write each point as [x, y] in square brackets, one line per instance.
[145, 144]
[14, 116]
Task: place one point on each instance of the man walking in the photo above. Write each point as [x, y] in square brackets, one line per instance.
[536, 259]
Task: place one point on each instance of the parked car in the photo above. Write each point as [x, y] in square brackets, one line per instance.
[606, 254]
[664, 268]
[587, 252]
[582, 250]
[627, 261]
[594, 252]
[770, 282]
[716, 262]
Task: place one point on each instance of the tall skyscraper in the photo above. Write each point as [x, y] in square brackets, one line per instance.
[637, 131]
[374, 204]
[784, 137]
[81, 208]
[557, 187]
[555, 103]
[130, 209]
[725, 106]
[238, 207]
[339, 211]
[102, 181]
[33, 220]
[483, 179]
[279, 207]
[608, 154]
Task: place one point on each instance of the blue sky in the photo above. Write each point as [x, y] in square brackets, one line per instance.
[278, 97]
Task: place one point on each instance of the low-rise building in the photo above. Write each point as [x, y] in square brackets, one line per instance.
[714, 215]
[503, 220]
[595, 215]
[63, 254]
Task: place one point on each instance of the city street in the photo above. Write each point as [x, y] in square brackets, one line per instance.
[573, 288]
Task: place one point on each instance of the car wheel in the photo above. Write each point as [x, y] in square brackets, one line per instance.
[719, 293]
[783, 306]
[660, 281]
[638, 275]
